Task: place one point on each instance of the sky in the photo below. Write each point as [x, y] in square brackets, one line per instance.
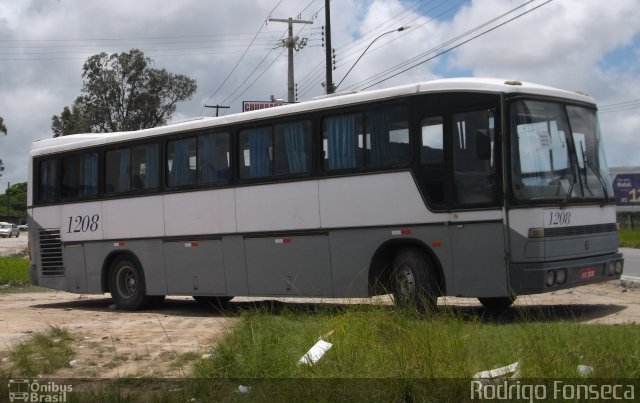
[232, 50]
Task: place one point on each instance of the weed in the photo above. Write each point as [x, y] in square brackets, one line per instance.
[42, 353]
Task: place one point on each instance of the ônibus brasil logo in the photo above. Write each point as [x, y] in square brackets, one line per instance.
[26, 390]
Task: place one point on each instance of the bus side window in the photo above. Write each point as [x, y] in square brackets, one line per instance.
[145, 167]
[292, 148]
[181, 162]
[387, 136]
[343, 141]
[48, 186]
[474, 170]
[432, 159]
[256, 152]
[213, 157]
[80, 175]
[117, 171]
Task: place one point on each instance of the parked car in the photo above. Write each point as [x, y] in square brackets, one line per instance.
[8, 230]
[23, 227]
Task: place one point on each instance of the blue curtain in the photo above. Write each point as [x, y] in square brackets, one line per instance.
[378, 127]
[124, 171]
[180, 166]
[259, 143]
[341, 141]
[207, 158]
[90, 185]
[295, 139]
[48, 180]
[151, 177]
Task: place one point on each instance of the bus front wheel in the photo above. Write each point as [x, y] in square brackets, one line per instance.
[413, 280]
[126, 284]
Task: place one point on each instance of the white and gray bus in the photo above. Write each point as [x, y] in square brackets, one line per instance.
[470, 187]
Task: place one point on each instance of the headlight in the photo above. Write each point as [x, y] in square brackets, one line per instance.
[619, 267]
[551, 278]
[561, 276]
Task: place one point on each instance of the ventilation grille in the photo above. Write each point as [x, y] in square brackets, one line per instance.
[580, 230]
[51, 252]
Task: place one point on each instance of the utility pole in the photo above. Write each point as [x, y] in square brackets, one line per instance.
[218, 107]
[328, 50]
[292, 43]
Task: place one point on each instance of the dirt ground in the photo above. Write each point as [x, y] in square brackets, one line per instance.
[113, 343]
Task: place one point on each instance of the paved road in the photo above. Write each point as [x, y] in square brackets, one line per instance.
[631, 263]
[10, 246]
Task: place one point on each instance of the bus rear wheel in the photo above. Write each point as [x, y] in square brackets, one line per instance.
[414, 280]
[127, 285]
[497, 303]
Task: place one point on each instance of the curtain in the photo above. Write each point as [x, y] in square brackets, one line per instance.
[90, 185]
[341, 141]
[124, 173]
[294, 139]
[151, 176]
[259, 143]
[207, 158]
[48, 180]
[378, 127]
[180, 166]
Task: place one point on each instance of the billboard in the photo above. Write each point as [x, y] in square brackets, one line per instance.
[256, 105]
[626, 189]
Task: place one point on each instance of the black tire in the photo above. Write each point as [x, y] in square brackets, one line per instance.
[497, 303]
[215, 302]
[127, 285]
[414, 280]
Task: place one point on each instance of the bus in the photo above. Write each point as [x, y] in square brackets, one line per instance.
[470, 187]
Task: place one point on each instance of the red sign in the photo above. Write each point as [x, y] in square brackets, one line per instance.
[256, 105]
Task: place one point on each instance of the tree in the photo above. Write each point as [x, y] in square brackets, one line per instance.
[120, 92]
[17, 194]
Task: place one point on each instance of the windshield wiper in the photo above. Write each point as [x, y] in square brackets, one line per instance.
[600, 179]
[565, 202]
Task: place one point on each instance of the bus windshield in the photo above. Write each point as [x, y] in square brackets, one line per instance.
[557, 153]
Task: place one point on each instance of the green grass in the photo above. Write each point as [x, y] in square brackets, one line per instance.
[42, 354]
[629, 238]
[382, 354]
[381, 342]
[14, 271]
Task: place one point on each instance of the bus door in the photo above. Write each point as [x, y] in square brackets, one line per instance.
[476, 220]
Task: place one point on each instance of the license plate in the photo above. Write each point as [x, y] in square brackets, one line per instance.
[587, 273]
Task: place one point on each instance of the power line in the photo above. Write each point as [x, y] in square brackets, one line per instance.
[620, 106]
[238, 88]
[308, 81]
[241, 58]
[418, 63]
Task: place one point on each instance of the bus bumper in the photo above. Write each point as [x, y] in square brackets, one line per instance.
[539, 277]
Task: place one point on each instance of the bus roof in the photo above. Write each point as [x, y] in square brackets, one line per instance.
[471, 84]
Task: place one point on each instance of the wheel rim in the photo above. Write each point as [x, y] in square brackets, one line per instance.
[405, 285]
[126, 281]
